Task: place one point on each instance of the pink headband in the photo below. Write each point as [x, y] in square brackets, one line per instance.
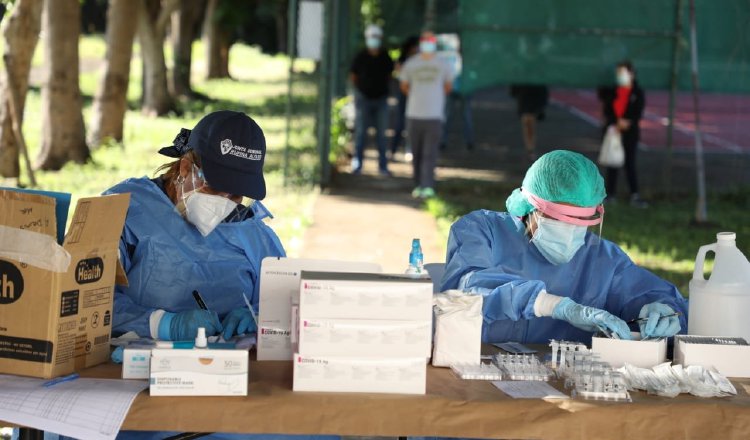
[566, 213]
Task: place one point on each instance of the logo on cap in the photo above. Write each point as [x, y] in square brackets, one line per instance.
[227, 147]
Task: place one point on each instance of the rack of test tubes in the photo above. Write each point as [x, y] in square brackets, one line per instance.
[522, 367]
[589, 378]
[481, 371]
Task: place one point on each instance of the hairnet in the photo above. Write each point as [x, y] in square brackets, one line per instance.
[559, 176]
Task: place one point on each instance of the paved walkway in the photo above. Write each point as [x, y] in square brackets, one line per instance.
[372, 218]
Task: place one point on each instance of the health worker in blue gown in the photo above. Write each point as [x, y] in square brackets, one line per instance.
[187, 230]
[544, 275]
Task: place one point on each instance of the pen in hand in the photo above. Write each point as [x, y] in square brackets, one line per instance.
[633, 321]
[199, 300]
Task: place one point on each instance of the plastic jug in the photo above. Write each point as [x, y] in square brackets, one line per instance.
[720, 305]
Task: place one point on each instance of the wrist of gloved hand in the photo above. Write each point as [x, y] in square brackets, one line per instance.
[590, 318]
[238, 322]
[183, 326]
[545, 303]
[658, 322]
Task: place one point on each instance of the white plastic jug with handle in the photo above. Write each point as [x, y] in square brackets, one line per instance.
[720, 305]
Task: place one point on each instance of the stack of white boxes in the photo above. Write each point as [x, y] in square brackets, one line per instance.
[358, 332]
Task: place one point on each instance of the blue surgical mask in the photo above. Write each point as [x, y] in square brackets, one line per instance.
[427, 46]
[558, 241]
[372, 42]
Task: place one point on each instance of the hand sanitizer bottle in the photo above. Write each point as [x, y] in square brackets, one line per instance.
[416, 259]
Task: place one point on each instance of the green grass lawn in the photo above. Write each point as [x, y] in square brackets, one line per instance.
[258, 88]
[661, 238]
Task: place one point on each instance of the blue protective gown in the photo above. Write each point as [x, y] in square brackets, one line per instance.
[166, 258]
[489, 253]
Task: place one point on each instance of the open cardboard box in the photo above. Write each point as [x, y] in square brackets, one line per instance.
[56, 301]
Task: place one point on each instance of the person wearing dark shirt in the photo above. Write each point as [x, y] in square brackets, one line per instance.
[623, 107]
[370, 74]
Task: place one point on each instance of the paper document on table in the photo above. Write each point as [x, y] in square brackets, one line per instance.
[529, 389]
[81, 408]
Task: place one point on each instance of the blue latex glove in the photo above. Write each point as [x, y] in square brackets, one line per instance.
[183, 326]
[238, 322]
[590, 318]
[658, 324]
[116, 355]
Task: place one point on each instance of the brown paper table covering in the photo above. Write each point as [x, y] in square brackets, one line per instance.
[452, 407]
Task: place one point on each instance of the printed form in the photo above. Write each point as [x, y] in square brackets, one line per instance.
[81, 408]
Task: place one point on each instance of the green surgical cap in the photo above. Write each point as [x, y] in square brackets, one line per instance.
[559, 176]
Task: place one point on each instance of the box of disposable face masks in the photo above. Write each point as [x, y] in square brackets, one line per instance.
[279, 289]
[636, 352]
[360, 375]
[366, 338]
[198, 372]
[364, 296]
[56, 301]
[135, 363]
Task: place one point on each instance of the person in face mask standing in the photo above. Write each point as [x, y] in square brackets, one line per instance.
[426, 80]
[370, 74]
[543, 275]
[186, 230]
[623, 107]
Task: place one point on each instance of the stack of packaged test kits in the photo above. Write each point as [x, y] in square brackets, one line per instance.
[360, 332]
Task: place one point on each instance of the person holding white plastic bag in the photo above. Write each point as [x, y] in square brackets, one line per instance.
[623, 107]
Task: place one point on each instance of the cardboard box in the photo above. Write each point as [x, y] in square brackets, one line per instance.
[57, 319]
[730, 359]
[135, 363]
[617, 352]
[198, 372]
[364, 296]
[279, 288]
[382, 339]
[358, 375]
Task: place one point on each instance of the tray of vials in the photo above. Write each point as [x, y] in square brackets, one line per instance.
[480, 371]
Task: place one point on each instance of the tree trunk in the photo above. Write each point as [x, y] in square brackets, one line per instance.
[110, 102]
[63, 134]
[151, 29]
[280, 18]
[184, 22]
[21, 32]
[216, 41]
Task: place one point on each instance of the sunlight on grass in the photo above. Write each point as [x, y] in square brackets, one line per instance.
[258, 88]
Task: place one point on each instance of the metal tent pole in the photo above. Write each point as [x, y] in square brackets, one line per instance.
[701, 215]
[291, 44]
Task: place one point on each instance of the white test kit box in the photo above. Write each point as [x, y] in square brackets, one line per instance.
[278, 289]
[364, 296]
[367, 338]
[358, 375]
[729, 355]
[198, 372]
[135, 363]
[618, 352]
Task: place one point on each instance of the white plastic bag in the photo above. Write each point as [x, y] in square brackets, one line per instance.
[458, 328]
[612, 154]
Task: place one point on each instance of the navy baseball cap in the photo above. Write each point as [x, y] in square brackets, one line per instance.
[232, 150]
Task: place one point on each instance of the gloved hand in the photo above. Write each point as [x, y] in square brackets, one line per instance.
[183, 326]
[590, 318]
[237, 322]
[117, 354]
[657, 324]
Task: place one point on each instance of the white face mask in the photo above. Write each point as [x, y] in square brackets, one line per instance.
[624, 78]
[558, 241]
[206, 211]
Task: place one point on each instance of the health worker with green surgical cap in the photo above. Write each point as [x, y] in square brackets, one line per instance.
[544, 276]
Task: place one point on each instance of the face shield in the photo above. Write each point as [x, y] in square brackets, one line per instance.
[203, 206]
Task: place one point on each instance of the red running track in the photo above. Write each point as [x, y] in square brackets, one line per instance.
[725, 119]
